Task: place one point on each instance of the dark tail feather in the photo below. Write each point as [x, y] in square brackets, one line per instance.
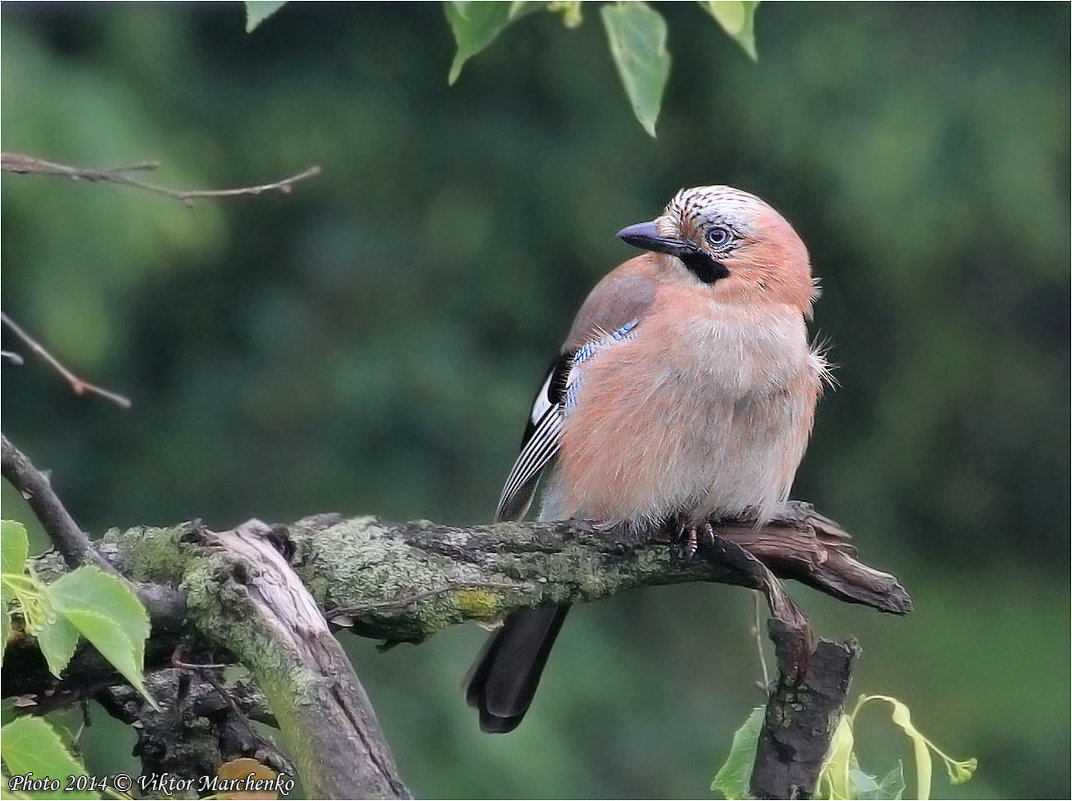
[503, 680]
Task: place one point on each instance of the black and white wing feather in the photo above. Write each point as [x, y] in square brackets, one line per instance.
[539, 444]
[543, 434]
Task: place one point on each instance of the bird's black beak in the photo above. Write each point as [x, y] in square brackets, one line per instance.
[646, 237]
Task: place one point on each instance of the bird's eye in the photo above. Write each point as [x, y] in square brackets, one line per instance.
[718, 236]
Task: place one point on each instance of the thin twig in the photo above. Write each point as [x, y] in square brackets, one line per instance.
[759, 641]
[79, 385]
[205, 671]
[12, 357]
[28, 165]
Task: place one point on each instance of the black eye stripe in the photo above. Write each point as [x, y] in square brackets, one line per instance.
[703, 266]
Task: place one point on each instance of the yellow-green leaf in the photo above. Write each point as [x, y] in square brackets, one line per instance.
[637, 37]
[237, 770]
[959, 771]
[30, 745]
[738, 19]
[570, 11]
[109, 615]
[733, 777]
[837, 770]
[14, 550]
[924, 769]
[14, 547]
[257, 11]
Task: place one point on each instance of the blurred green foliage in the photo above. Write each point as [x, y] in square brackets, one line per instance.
[370, 343]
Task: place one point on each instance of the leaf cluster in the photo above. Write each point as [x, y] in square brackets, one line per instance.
[842, 778]
[86, 603]
[636, 36]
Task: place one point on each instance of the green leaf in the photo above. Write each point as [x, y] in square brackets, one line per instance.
[959, 770]
[257, 11]
[109, 615]
[475, 26]
[522, 8]
[637, 37]
[837, 771]
[14, 547]
[733, 777]
[30, 745]
[57, 639]
[14, 550]
[738, 19]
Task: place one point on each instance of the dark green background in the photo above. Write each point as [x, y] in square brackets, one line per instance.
[371, 342]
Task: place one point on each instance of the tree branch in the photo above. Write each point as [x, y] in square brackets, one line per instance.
[260, 611]
[78, 385]
[34, 486]
[28, 165]
[405, 582]
[199, 726]
[803, 710]
[166, 605]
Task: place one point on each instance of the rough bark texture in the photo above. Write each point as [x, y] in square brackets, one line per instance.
[251, 602]
[260, 596]
[408, 581]
[803, 710]
[200, 724]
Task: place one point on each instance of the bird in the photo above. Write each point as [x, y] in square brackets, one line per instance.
[685, 391]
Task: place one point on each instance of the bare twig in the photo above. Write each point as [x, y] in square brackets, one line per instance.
[195, 730]
[79, 385]
[759, 642]
[28, 165]
[12, 357]
[205, 671]
[34, 486]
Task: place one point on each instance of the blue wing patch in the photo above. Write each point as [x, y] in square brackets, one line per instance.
[543, 434]
[585, 353]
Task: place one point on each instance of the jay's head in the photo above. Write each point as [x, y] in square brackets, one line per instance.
[731, 243]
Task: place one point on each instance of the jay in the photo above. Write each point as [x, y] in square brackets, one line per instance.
[685, 391]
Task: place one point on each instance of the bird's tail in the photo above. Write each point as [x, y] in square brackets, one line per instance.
[504, 677]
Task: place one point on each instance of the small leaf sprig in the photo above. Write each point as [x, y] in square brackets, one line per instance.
[636, 35]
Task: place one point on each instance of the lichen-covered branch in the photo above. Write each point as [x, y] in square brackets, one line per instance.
[247, 599]
[408, 581]
[404, 582]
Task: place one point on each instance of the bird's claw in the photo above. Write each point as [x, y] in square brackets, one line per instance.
[692, 535]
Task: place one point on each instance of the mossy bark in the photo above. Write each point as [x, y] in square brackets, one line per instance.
[238, 589]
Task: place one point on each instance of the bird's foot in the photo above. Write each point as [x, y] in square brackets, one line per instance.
[692, 535]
